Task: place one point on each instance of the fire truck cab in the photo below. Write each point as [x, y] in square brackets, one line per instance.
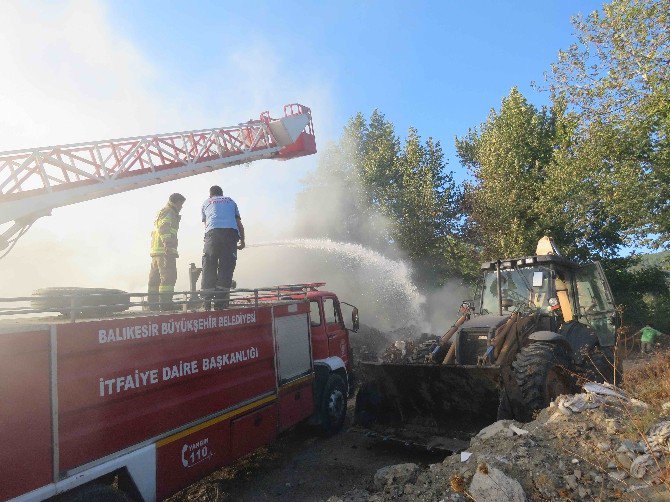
[147, 403]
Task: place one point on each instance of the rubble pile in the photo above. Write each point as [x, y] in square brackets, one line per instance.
[410, 351]
[586, 446]
[368, 343]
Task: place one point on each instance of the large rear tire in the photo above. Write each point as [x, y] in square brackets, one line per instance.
[543, 372]
[333, 408]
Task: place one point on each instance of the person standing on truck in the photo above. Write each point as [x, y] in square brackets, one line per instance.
[163, 273]
[648, 338]
[223, 231]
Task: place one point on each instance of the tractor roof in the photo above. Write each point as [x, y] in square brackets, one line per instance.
[530, 261]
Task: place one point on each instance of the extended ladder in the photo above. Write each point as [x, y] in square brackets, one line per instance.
[34, 181]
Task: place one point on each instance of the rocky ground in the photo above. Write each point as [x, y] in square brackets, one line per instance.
[303, 466]
[603, 444]
[599, 445]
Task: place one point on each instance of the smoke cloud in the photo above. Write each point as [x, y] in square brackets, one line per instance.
[71, 94]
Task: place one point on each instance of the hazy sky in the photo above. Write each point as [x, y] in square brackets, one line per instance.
[76, 71]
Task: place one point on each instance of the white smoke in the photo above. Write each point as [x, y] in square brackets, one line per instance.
[382, 288]
[76, 78]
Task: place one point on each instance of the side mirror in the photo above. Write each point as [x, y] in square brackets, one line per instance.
[355, 322]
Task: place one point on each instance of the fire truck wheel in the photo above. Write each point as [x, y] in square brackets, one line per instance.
[333, 408]
[99, 493]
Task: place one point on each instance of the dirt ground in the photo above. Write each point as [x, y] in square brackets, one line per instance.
[302, 466]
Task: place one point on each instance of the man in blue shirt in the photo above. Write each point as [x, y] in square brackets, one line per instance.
[223, 231]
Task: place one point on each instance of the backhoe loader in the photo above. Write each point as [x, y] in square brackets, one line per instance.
[542, 325]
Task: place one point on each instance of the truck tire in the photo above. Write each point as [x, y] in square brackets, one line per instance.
[333, 407]
[542, 372]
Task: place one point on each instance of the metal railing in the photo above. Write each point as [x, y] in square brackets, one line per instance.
[85, 304]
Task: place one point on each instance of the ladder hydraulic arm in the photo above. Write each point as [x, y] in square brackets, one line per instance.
[35, 181]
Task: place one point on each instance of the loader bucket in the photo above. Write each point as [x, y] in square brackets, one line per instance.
[426, 394]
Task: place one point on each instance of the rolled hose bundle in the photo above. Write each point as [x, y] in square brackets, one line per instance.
[88, 302]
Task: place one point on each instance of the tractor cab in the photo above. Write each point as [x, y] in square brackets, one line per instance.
[563, 293]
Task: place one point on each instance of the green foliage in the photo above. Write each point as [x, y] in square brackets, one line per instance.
[519, 158]
[388, 196]
[617, 78]
[642, 292]
[506, 156]
[661, 260]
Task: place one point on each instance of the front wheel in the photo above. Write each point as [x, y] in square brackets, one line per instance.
[333, 406]
[543, 372]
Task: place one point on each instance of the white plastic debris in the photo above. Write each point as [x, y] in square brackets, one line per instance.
[465, 455]
[658, 437]
[494, 486]
[578, 403]
[639, 466]
[604, 389]
[517, 430]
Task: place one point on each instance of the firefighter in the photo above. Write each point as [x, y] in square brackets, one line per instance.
[224, 235]
[163, 274]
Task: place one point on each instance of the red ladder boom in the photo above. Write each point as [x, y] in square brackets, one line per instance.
[35, 181]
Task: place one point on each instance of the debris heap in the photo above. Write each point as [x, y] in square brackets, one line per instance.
[411, 350]
[598, 445]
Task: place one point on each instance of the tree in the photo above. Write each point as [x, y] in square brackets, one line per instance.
[523, 167]
[640, 291]
[427, 211]
[617, 78]
[391, 197]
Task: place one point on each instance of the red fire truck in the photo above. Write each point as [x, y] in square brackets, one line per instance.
[147, 403]
[144, 402]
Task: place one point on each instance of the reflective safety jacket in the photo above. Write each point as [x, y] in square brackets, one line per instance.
[164, 235]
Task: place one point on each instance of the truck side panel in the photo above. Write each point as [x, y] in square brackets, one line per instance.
[296, 402]
[191, 454]
[253, 431]
[295, 369]
[25, 413]
[182, 460]
[123, 381]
